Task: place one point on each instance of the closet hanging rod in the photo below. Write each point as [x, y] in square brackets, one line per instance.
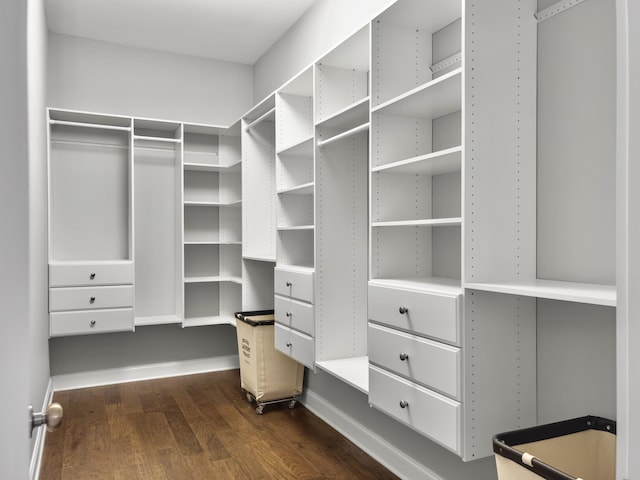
[157, 139]
[555, 9]
[260, 119]
[89, 125]
[348, 133]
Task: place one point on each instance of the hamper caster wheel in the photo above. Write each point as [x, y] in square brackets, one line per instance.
[292, 403]
[260, 409]
[250, 398]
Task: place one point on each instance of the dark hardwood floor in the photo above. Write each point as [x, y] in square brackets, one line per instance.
[194, 427]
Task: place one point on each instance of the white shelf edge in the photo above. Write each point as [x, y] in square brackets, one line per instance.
[343, 112]
[555, 9]
[298, 227]
[261, 118]
[347, 134]
[213, 279]
[213, 243]
[89, 125]
[212, 320]
[157, 139]
[297, 190]
[432, 222]
[195, 203]
[56, 263]
[426, 86]
[208, 167]
[144, 321]
[421, 158]
[295, 145]
[258, 258]
[296, 268]
[594, 294]
[448, 286]
[353, 371]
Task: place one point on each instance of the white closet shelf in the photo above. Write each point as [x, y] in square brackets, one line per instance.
[147, 138]
[436, 163]
[269, 115]
[195, 203]
[304, 146]
[216, 242]
[296, 227]
[89, 125]
[157, 320]
[423, 284]
[353, 371]
[432, 100]
[554, 290]
[348, 134]
[431, 222]
[304, 189]
[213, 279]
[213, 320]
[208, 167]
[306, 270]
[259, 258]
[354, 114]
[124, 261]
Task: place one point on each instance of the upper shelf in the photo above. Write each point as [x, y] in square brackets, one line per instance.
[431, 100]
[436, 163]
[554, 290]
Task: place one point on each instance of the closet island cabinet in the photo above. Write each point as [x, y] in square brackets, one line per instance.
[144, 223]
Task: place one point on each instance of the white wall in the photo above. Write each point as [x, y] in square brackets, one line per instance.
[102, 77]
[324, 26]
[14, 241]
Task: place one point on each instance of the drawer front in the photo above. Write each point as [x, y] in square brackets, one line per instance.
[92, 321]
[427, 412]
[294, 344]
[67, 275]
[294, 314]
[433, 364]
[294, 284]
[90, 298]
[433, 314]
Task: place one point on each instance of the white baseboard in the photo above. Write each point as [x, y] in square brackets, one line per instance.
[143, 372]
[393, 459]
[38, 447]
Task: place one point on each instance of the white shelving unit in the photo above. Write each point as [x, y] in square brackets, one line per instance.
[259, 207]
[212, 228]
[158, 148]
[342, 105]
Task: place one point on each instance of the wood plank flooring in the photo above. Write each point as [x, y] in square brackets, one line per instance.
[194, 427]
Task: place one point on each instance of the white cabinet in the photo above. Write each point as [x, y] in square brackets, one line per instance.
[90, 223]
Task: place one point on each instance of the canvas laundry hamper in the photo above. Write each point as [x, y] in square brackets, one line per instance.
[581, 448]
[266, 375]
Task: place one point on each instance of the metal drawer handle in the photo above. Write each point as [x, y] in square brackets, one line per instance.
[404, 404]
[92, 323]
[92, 300]
[288, 344]
[288, 314]
[404, 356]
[288, 284]
[403, 310]
[92, 276]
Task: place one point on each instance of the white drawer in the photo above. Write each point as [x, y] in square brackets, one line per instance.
[89, 298]
[294, 283]
[427, 412]
[92, 321]
[294, 314]
[85, 274]
[294, 344]
[431, 363]
[435, 315]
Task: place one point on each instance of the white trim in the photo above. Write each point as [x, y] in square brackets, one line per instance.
[38, 447]
[374, 445]
[144, 372]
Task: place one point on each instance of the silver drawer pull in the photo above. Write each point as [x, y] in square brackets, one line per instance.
[288, 344]
[403, 310]
[404, 404]
[92, 323]
[288, 284]
[92, 300]
[288, 314]
[404, 356]
[92, 276]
